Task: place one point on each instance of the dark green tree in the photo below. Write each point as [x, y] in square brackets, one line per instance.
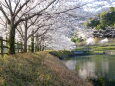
[103, 20]
[112, 9]
[100, 26]
[92, 22]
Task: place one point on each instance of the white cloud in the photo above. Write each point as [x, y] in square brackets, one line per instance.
[96, 5]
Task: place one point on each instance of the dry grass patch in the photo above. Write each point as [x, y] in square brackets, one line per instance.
[37, 69]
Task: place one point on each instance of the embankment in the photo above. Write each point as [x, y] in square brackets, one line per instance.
[36, 69]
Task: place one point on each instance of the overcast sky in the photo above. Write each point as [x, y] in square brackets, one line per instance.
[96, 5]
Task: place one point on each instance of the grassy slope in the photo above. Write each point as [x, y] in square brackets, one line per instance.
[38, 69]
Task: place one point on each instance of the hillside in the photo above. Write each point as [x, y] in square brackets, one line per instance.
[38, 69]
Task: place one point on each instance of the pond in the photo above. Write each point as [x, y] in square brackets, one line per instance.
[95, 67]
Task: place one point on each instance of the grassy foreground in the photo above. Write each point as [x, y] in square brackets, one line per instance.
[38, 69]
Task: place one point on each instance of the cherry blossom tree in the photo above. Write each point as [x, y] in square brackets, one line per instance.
[15, 12]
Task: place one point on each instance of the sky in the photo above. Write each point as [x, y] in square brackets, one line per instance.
[97, 5]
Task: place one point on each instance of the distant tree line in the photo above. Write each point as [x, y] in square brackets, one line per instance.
[102, 22]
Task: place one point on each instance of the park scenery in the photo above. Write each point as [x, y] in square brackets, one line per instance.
[57, 42]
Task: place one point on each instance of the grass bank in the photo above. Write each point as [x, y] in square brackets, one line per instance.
[67, 54]
[62, 54]
[36, 69]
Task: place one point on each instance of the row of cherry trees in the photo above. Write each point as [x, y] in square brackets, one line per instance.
[29, 18]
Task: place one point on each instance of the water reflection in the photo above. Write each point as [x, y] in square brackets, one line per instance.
[105, 67]
[87, 70]
[71, 64]
[93, 66]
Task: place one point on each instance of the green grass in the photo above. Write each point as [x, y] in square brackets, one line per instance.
[105, 48]
[96, 49]
[61, 54]
[99, 52]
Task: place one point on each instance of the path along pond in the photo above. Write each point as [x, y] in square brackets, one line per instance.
[99, 68]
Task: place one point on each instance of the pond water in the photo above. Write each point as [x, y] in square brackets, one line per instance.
[93, 66]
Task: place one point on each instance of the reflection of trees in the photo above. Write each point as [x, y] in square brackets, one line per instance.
[87, 70]
[94, 66]
[105, 67]
[111, 67]
[71, 64]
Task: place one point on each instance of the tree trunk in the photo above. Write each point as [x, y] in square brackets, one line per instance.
[25, 36]
[32, 43]
[25, 41]
[25, 45]
[12, 40]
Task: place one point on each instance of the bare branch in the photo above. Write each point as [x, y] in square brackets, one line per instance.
[4, 13]
[21, 7]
